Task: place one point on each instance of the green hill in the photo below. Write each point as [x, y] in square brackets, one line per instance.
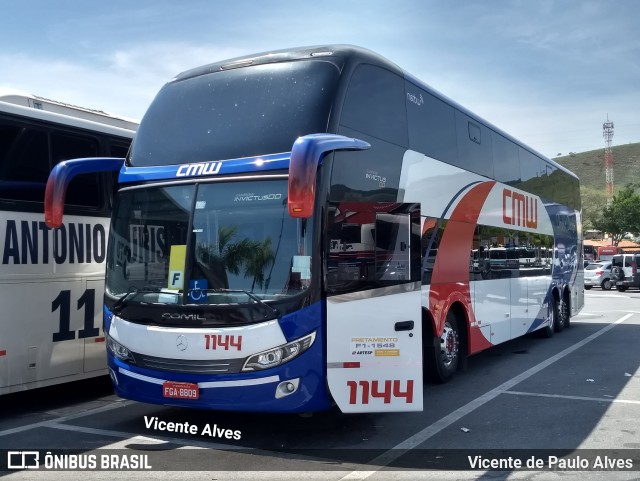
[589, 166]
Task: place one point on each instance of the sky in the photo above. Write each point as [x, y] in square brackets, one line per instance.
[547, 72]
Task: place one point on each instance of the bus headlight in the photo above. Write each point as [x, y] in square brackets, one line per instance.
[119, 350]
[279, 355]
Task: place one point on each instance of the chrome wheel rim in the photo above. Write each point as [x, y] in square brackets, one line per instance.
[449, 344]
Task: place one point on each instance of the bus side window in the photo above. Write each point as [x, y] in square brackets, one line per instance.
[474, 146]
[373, 111]
[85, 189]
[505, 155]
[432, 125]
[118, 150]
[530, 167]
[375, 96]
[372, 246]
[432, 230]
[24, 162]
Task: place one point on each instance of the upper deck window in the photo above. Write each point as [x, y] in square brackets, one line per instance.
[375, 104]
[243, 112]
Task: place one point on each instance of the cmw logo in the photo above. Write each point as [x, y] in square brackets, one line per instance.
[200, 168]
[519, 209]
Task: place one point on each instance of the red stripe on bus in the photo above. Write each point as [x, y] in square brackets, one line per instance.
[450, 281]
[100, 339]
[350, 365]
[3, 353]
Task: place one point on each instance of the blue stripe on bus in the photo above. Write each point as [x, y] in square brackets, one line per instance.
[205, 169]
[303, 321]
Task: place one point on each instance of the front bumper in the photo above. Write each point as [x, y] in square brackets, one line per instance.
[628, 282]
[260, 391]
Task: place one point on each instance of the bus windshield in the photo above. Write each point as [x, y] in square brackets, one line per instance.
[237, 113]
[242, 247]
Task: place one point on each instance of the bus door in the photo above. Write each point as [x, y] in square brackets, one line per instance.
[374, 331]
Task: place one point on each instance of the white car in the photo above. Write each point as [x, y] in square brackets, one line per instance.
[598, 274]
[624, 271]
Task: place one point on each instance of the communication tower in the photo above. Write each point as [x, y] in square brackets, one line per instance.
[607, 133]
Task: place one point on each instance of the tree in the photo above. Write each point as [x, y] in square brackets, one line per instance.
[593, 201]
[622, 216]
[259, 260]
[226, 256]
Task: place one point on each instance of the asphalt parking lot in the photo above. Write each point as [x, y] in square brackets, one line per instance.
[565, 401]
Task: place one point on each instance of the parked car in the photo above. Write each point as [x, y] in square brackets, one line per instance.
[624, 271]
[598, 274]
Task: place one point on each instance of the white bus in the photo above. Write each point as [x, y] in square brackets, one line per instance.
[51, 282]
[309, 243]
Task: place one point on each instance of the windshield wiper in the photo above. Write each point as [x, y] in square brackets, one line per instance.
[130, 295]
[273, 310]
[123, 299]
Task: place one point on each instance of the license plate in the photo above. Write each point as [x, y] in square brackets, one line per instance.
[180, 390]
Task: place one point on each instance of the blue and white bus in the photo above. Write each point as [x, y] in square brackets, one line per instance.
[294, 229]
[52, 282]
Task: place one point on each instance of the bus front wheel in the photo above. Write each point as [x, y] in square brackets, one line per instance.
[445, 355]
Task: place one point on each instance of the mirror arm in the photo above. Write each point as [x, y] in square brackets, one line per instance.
[60, 178]
[306, 156]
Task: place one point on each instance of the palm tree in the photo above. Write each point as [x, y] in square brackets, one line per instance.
[261, 258]
[216, 260]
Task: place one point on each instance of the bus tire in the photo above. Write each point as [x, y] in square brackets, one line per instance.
[564, 310]
[550, 329]
[559, 318]
[586, 288]
[443, 357]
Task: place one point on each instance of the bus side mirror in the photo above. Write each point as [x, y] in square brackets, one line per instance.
[306, 156]
[60, 178]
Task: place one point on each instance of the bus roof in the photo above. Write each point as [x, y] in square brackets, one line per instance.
[340, 55]
[337, 54]
[36, 102]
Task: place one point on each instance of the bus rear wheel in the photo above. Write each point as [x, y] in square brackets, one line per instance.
[550, 328]
[559, 321]
[564, 310]
[445, 355]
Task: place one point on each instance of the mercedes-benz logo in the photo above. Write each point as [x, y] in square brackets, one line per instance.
[181, 342]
